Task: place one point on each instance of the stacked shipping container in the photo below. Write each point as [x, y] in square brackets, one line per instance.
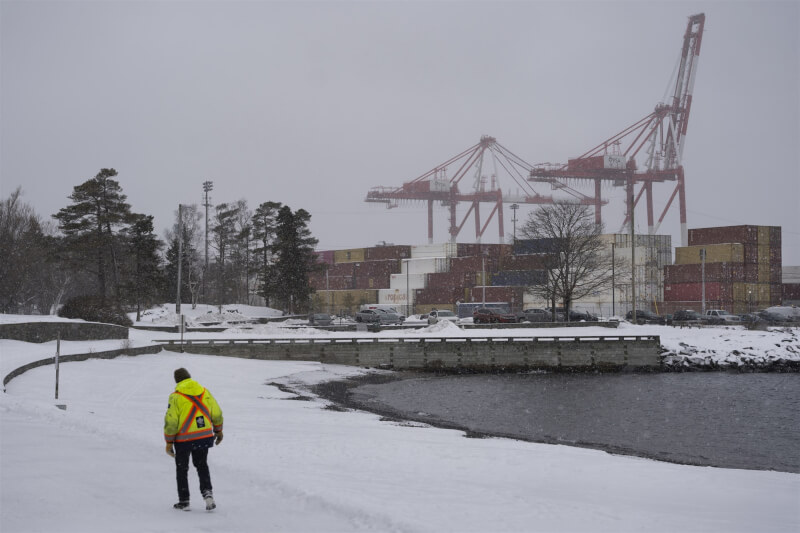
[742, 269]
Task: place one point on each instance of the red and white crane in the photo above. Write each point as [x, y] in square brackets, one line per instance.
[657, 140]
[485, 161]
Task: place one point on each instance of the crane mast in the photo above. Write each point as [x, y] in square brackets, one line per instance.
[659, 137]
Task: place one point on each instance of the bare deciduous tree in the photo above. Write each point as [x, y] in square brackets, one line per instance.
[575, 257]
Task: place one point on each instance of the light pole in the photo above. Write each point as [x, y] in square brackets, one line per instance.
[180, 259]
[703, 278]
[408, 292]
[514, 208]
[613, 287]
[207, 187]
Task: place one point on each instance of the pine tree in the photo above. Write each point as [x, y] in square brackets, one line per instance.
[295, 259]
[91, 226]
[264, 235]
[144, 276]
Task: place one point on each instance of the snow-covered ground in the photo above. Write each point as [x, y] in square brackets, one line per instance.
[289, 466]
[296, 466]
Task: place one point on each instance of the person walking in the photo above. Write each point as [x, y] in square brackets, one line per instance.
[192, 425]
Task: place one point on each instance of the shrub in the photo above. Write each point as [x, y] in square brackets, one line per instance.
[90, 308]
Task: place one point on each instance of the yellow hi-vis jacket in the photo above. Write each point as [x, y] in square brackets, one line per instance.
[192, 413]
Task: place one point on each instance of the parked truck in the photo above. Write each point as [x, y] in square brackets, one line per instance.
[720, 316]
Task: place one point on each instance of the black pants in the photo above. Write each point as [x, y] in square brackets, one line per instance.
[199, 455]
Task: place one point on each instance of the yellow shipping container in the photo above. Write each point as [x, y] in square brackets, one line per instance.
[715, 253]
[348, 298]
[763, 236]
[763, 272]
[751, 293]
[349, 256]
[427, 308]
[763, 255]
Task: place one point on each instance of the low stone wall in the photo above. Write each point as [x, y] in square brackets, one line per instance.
[69, 331]
[551, 353]
[109, 354]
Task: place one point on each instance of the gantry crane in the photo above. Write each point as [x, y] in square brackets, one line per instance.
[436, 186]
[659, 138]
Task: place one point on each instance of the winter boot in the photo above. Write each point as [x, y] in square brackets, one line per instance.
[182, 506]
[209, 499]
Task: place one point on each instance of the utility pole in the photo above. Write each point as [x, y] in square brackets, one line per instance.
[207, 187]
[633, 258]
[613, 285]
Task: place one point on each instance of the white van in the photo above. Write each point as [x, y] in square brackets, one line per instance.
[386, 307]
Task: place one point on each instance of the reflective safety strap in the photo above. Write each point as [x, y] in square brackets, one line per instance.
[188, 422]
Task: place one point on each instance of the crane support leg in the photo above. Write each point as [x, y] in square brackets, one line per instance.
[598, 203]
[430, 221]
[478, 232]
[648, 187]
[453, 228]
[682, 205]
[499, 208]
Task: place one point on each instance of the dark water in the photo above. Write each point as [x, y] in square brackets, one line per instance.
[712, 418]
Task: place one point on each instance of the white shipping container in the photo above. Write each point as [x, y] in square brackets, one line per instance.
[397, 298]
[425, 265]
[410, 281]
[614, 161]
[447, 249]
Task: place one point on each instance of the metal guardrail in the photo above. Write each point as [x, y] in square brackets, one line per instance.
[408, 340]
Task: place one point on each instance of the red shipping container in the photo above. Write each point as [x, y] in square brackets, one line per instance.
[692, 291]
[775, 257]
[714, 272]
[388, 252]
[775, 237]
[791, 291]
[724, 234]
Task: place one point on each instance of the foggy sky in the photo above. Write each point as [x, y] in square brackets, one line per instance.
[311, 104]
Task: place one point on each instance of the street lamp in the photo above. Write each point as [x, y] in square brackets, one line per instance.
[207, 187]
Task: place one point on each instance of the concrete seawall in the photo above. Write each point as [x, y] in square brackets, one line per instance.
[613, 352]
[69, 331]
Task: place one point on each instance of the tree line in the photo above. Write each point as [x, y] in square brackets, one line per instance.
[98, 253]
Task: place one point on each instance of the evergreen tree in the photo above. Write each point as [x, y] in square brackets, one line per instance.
[264, 236]
[189, 274]
[144, 277]
[224, 231]
[294, 259]
[91, 227]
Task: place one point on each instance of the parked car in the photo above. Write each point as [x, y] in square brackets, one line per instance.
[538, 315]
[578, 316]
[561, 316]
[646, 317]
[686, 316]
[320, 319]
[485, 315]
[437, 315]
[720, 316]
[379, 316]
[773, 319]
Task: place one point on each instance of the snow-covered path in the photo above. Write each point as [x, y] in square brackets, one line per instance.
[288, 465]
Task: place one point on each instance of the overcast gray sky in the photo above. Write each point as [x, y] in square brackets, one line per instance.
[313, 103]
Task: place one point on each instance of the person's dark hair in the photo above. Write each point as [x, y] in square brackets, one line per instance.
[181, 374]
